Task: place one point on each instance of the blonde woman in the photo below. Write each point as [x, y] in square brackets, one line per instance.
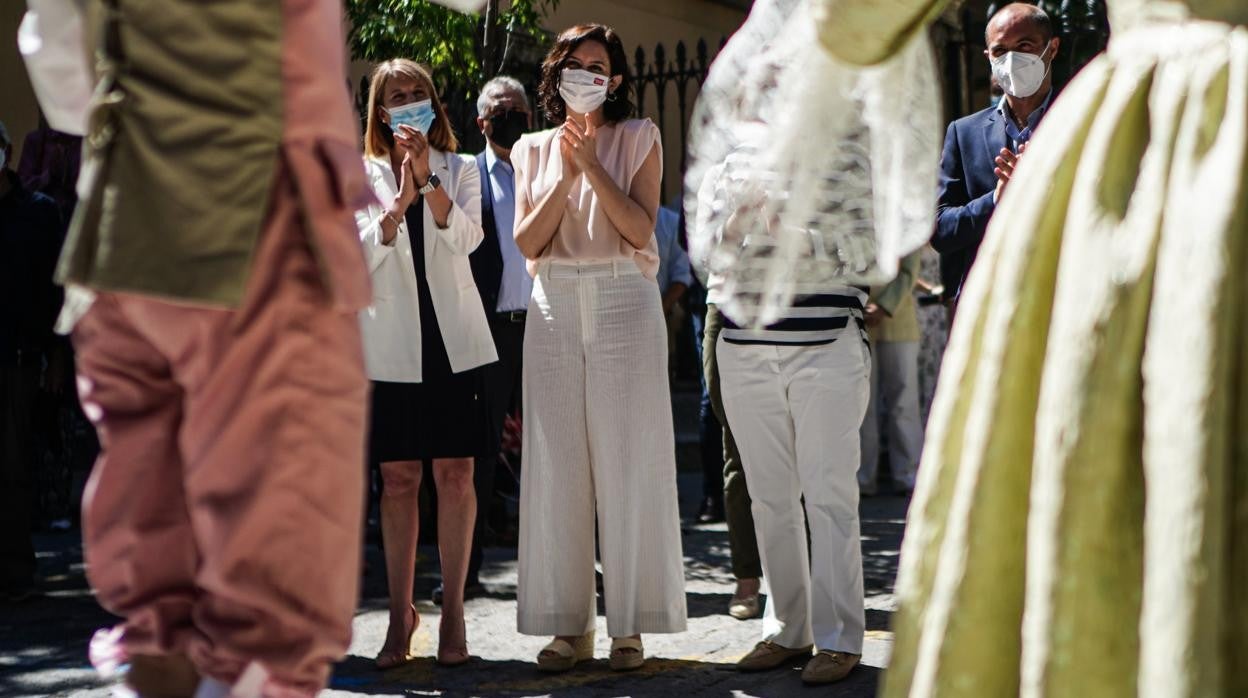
[425, 339]
[598, 442]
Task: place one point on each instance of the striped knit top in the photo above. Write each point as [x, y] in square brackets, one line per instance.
[810, 321]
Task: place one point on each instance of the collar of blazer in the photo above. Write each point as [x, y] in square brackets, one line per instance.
[382, 172]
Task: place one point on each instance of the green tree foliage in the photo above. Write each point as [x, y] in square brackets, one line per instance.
[453, 44]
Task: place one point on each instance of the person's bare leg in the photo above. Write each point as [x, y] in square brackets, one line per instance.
[747, 588]
[457, 515]
[400, 529]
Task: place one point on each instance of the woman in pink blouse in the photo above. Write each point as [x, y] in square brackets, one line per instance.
[598, 443]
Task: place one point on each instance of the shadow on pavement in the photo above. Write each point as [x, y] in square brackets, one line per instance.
[43, 640]
[659, 678]
[44, 645]
[702, 605]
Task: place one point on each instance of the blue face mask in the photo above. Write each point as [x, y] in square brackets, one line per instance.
[418, 115]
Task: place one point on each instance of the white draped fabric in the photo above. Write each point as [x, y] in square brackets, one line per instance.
[837, 163]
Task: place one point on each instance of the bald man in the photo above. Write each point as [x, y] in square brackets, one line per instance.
[982, 150]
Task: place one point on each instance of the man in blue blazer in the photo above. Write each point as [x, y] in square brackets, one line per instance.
[981, 150]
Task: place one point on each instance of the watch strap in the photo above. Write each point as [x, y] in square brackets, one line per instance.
[430, 184]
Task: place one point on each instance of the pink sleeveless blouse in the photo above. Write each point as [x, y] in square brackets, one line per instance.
[585, 233]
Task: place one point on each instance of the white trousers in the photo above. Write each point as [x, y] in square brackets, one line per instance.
[598, 440]
[795, 413]
[895, 383]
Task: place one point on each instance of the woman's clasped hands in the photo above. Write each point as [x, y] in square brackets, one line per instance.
[578, 145]
[415, 148]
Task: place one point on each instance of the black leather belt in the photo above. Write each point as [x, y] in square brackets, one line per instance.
[514, 316]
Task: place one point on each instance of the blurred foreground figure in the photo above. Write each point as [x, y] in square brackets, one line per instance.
[219, 354]
[788, 226]
[810, 87]
[1078, 523]
[1079, 526]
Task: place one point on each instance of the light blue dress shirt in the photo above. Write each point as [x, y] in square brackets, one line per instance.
[1016, 136]
[516, 286]
[673, 260]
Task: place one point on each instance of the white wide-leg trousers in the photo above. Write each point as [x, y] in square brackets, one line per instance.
[795, 412]
[895, 382]
[598, 440]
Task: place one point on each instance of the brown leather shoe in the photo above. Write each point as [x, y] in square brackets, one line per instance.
[162, 676]
[768, 655]
[829, 667]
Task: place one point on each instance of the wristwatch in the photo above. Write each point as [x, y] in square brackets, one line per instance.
[430, 185]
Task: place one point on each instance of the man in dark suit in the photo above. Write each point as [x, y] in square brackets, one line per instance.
[31, 231]
[498, 267]
[982, 150]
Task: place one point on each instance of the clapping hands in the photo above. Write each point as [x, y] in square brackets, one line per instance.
[415, 147]
[1007, 162]
[578, 145]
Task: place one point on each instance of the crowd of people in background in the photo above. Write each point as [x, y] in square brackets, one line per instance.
[538, 281]
[43, 433]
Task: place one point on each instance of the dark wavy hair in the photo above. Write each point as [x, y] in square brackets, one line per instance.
[618, 106]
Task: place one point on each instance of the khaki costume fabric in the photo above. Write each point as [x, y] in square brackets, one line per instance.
[176, 183]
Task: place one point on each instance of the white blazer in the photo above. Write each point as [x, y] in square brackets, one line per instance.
[391, 326]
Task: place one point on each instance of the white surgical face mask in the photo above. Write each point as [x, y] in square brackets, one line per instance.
[1020, 74]
[582, 91]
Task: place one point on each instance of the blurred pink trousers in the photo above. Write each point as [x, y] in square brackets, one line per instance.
[223, 519]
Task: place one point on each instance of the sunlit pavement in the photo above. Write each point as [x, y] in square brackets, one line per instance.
[43, 641]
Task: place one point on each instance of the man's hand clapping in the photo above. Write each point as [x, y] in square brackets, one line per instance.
[1007, 162]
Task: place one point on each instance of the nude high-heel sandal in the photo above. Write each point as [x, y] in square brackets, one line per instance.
[389, 659]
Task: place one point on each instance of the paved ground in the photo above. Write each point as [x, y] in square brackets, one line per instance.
[43, 641]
